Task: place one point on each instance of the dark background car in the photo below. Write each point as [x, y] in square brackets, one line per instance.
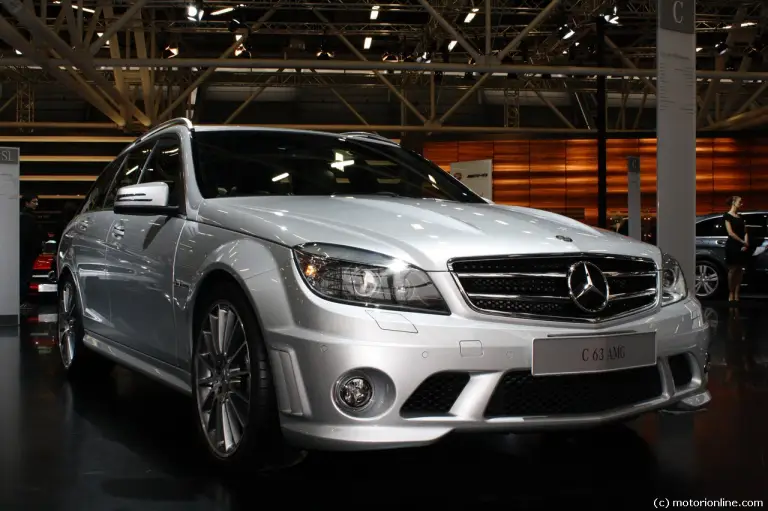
[711, 270]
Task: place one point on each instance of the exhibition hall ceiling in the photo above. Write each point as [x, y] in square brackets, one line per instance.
[433, 65]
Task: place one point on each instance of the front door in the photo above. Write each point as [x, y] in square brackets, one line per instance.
[140, 262]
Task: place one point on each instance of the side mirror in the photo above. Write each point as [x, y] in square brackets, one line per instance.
[144, 199]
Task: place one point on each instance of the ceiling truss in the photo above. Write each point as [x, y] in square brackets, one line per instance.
[117, 56]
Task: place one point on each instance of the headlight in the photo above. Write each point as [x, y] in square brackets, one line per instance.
[368, 279]
[673, 286]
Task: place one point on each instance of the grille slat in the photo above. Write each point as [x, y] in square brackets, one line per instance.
[537, 286]
[519, 394]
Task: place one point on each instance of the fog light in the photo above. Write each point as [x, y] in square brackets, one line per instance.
[355, 392]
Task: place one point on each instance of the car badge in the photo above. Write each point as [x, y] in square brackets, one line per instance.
[588, 287]
[564, 238]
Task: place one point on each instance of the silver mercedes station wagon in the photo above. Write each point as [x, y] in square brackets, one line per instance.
[337, 291]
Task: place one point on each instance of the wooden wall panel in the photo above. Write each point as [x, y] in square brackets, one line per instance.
[705, 177]
[581, 180]
[442, 153]
[757, 198]
[471, 151]
[561, 175]
[548, 184]
[512, 172]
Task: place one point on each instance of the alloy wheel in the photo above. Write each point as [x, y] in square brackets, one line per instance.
[707, 280]
[67, 324]
[222, 370]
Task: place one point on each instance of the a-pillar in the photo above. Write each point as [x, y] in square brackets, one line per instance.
[676, 132]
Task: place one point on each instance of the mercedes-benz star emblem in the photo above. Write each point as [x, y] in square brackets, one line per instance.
[564, 238]
[588, 287]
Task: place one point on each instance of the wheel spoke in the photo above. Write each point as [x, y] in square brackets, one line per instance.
[236, 413]
[214, 332]
[231, 438]
[228, 322]
[242, 346]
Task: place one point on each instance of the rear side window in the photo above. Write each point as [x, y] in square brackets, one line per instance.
[129, 173]
[711, 227]
[95, 199]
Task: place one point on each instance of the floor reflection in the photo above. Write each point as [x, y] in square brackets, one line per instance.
[130, 444]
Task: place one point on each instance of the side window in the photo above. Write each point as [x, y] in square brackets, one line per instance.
[95, 199]
[711, 227]
[165, 166]
[756, 224]
[129, 173]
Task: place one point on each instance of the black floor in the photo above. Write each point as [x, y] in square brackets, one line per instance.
[130, 445]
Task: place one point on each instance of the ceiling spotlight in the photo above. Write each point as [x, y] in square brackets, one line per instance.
[390, 57]
[18, 52]
[367, 43]
[242, 51]
[722, 48]
[195, 13]
[612, 17]
[699, 49]
[171, 51]
[471, 15]
[374, 12]
[222, 11]
[566, 32]
[451, 45]
[99, 34]
[322, 54]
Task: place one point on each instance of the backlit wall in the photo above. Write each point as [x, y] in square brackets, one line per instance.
[561, 175]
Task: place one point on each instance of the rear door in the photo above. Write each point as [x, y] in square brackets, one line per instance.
[87, 235]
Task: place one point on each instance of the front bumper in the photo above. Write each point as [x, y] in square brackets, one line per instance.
[313, 343]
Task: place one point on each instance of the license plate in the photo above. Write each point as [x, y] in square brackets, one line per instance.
[585, 354]
[47, 288]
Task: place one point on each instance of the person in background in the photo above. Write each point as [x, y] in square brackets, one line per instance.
[736, 247]
[30, 244]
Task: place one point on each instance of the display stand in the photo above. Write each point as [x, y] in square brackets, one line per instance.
[9, 232]
[476, 175]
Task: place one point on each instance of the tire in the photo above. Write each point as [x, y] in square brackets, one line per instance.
[710, 280]
[76, 359]
[233, 386]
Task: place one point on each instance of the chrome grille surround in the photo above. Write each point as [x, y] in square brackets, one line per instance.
[539, 285]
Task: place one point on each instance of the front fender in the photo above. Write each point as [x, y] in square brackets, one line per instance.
[202, 251]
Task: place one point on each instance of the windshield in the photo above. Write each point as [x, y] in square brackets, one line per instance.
[248, 163]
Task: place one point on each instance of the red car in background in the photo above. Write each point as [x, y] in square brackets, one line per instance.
[43, 283]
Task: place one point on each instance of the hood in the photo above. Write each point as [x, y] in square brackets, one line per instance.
[423, 232]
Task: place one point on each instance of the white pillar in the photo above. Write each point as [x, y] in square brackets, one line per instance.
[9, 233]
[676, 132]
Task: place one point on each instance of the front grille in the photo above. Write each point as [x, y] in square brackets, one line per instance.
[519, 394]
[436, 395]
[681, 370]
[537, 286]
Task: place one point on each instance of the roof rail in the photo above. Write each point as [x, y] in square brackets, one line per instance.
[366, 134]
[179, 121]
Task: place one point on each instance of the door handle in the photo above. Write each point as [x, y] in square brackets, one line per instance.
[83, 225]
[720, 242]
[118, 231]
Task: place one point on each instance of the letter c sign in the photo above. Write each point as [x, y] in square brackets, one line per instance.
[678, 17]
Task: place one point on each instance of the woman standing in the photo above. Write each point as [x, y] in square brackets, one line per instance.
[736, 247]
